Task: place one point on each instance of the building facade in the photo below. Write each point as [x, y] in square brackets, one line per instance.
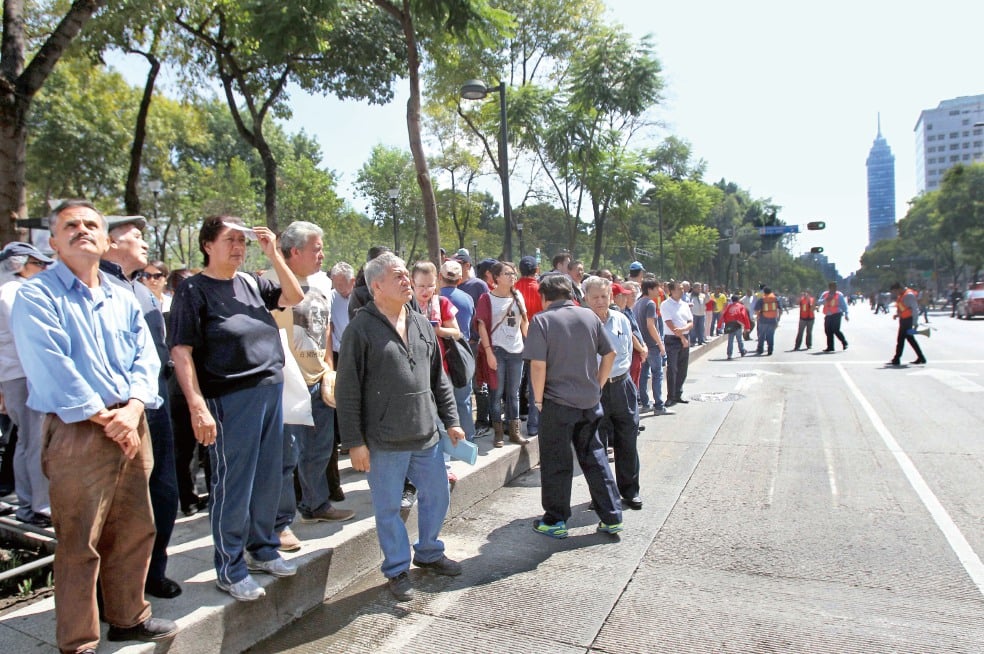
[881, 190]
[950, 134]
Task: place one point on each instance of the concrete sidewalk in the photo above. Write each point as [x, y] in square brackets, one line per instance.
[333, 555]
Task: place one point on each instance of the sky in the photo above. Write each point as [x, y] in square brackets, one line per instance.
[779, 97]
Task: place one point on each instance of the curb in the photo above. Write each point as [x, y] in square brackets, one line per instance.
[333, 555]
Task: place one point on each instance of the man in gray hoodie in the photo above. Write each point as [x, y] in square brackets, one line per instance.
[390, 390]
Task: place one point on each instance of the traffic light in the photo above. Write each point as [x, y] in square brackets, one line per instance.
[816, 250]
[816, 224]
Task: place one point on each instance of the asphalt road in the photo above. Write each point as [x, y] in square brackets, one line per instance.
[803, 502]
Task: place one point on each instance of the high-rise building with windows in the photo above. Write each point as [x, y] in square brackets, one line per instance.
[881, 190]
[950, 134]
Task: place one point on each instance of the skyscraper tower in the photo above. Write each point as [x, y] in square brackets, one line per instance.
[881, 190]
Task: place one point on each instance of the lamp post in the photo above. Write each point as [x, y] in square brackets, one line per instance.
[474, 252]
[647, 201]
[475, 89]
[519, 230]
[156, 186]
[394, 193]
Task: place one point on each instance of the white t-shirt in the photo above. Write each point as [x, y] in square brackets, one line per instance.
[508, 310]
[677, 311]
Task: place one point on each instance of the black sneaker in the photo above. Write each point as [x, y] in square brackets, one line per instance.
[918, 362]
[400, 587]
[152, 629]
[443, 566]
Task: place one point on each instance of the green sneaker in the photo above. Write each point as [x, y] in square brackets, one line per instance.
[558, 530]
[610, 529]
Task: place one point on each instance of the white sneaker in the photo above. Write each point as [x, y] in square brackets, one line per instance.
[277, 567]
[244, 590]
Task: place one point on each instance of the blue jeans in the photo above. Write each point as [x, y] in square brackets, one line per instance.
[509, 370]
[425, 469]
[652, 368]
[247, 471]
[308, 450]
[462, 399]
[698, 331]
[532, 413]
[736, 337]
[766, 335]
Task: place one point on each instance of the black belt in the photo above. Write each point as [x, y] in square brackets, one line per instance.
[669, 336]
[615, 380]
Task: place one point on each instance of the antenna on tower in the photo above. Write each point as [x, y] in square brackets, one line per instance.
[879, 124]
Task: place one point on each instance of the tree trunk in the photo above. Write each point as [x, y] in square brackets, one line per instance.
[131, 196]
[601, 214]
[18, 86]
[416, 143]
[13, 153]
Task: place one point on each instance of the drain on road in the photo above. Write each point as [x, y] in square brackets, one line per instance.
[717, 397]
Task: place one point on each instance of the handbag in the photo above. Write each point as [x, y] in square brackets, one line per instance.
[461, 361]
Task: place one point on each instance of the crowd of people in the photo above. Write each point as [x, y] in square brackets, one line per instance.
[123, 377]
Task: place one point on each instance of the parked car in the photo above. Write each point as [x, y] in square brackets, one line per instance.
[972, 302]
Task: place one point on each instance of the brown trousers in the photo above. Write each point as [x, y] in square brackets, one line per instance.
[100, 508]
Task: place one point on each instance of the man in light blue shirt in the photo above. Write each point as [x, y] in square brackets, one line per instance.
[619, 398]
[92, 368]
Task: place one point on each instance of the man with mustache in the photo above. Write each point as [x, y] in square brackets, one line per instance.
[91, 367]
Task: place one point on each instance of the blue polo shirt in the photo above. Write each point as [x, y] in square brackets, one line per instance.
[620, 331]
[83, 349]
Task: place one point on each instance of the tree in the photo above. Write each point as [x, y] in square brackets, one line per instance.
[425, 22]
[20, 81]
[961, 205]
[257, 48]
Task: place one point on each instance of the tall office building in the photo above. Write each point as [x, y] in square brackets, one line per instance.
[952, 133]
[881, 190]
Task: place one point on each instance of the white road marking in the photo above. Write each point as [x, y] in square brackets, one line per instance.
[958, 543]
[828, 456]
[956, 380]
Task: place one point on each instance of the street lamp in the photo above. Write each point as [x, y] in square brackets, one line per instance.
[519, 230]
[647, 201]
[474, 252]
[475, 89]
[156, 186]
[394, 193]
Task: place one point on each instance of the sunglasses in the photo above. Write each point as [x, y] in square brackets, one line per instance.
[157, 275]
[39, 264]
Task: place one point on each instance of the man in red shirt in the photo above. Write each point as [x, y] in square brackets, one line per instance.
[734, 321]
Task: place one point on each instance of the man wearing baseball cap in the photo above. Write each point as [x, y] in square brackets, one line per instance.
[636, 271]
[22, 261]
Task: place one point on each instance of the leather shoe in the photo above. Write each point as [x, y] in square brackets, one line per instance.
[164, 588]
[150, 630]
[918, 362]
[669, 403]
[680, 400]
[634, 503]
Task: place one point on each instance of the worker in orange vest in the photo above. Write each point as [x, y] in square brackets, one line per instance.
[808, 314]
[767, 311]
[907, 313]
[834, 307]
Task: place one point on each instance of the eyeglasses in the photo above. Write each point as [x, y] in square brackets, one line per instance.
[39, 264]
[157, 275]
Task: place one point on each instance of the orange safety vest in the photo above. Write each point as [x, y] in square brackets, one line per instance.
[807, 308]
[770, 306]
[900, 308]
[830, 303]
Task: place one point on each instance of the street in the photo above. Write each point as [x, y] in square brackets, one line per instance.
[803, 502]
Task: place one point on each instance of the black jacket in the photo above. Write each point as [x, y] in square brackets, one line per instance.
[389, 395]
